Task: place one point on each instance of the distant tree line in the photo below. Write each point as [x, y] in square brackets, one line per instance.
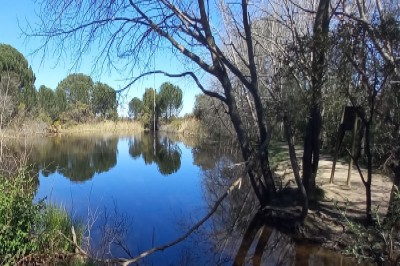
[168, 104]
[77, 98]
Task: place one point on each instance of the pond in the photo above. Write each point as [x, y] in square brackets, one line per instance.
[140, 191]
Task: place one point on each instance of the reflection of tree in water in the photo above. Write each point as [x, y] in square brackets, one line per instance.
[208, 153]
[238, 234]
[159, 150]
[78, 159]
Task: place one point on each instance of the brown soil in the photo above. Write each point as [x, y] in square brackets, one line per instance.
[325, 220]
[352, 196]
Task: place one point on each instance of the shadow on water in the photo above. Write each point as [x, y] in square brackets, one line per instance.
[263, 245]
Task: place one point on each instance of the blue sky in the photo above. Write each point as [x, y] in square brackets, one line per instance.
[50, 71]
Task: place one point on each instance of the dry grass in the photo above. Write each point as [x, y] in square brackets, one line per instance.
[103, 127]
[185, 126]
[25, 129]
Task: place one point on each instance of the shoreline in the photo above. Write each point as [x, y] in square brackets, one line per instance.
[325, 224]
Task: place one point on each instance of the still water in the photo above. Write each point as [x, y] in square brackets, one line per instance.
[137, 192]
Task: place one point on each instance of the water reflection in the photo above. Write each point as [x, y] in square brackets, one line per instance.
[159, 206]
[160, 150]
[78, 159]
[207, 154]
[263, 245]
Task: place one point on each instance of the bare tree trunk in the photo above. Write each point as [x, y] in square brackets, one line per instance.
[296, 168]
[263, 142]
[258, 186]
[311, 150]
[369, 174]
[314, 124]
[263, 148]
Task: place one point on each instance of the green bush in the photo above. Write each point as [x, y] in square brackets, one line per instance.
[28, 228]
[53, 228]
[377, 241]
[17, 216]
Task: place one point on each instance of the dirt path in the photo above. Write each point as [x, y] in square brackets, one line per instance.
[325, 223]
[353, 196]
[339, 193]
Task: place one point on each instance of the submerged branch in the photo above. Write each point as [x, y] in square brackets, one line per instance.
[80, 252]
[235, 185]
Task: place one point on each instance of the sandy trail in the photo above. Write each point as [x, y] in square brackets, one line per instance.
[352, 197]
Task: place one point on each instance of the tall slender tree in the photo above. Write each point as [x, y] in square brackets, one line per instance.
[170, 99]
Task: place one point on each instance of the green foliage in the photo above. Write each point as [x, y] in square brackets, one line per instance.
[146, 119]
[149, 98]
[167, 102]
[28, 97]
[170, 100]
[389, 27]
[213, 116]
[81, 113]
[200, 106]
[28, 228]
[60, 100]
[18, 215]
[376, 241]
[11, 60]
[42, 115]
[77, 88]
[135, 107]
[76, 98]
[52, 226]
[47, 101]
[8, 93]
[104, 101]
[16, 82]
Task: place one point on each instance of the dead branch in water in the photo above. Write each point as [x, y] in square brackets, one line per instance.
[235, 185]
[125, 262]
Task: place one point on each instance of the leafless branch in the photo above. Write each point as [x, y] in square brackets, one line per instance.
[191, 74]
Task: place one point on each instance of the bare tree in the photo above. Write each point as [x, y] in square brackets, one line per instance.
[131, 29]
[366, 67]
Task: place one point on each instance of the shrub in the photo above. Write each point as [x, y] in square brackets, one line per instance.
[379, 241]
[53, 228]
[18, 214]
[28, 228]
